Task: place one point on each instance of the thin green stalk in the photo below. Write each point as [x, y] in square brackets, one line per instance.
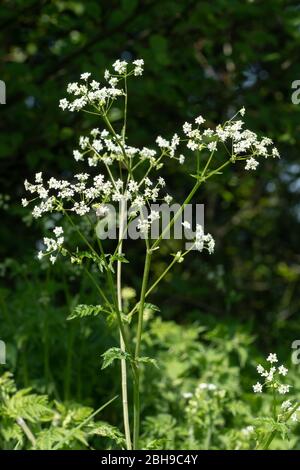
[115, 300]
[119, 318]
[110, 127]
[178, 213]
[207, 163]
[152, 287]
[186, 201]
[97, 286]
[125, 110]
[160, 278]
[122, 344]
[73, 431]
[136, 391]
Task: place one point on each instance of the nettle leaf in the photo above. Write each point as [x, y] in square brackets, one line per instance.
[82, 310]
[112, 354]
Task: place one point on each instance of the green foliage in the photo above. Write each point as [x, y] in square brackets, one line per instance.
[112, 354]
[81, 311]
[30, 421]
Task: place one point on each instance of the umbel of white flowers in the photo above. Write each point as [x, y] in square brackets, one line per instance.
[104, 149]
[271, 377]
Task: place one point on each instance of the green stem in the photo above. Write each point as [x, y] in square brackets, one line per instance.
[136, 392]
[178, 213]
[273, 433]
[122, 344]
[158, 280]
[125, 110]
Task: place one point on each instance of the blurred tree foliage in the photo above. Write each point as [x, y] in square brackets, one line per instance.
[201, 57]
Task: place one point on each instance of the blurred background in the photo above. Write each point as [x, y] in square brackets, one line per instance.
[218, 314]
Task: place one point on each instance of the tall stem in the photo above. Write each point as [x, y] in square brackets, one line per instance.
[122, 344]
[136, 418]
[177, 214]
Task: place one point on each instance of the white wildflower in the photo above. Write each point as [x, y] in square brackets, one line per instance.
[187, 128]
[24, 202]
[212, 146]
[168, 199]
[199, 120]
[143, 226]
[120, 66]
[139, 67]
[85, 76]
[186, 224]
[286, 405]
[283, 389]
[251, 164]
[52, 259]
[154, 215]
[63, 104]
[257, 388]
[58, 231]
[272, 357]
[39, 178]
[260, 369]
[282, 370]
[77, 155]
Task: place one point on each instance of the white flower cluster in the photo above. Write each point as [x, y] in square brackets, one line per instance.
[102, 147]
[93, 93]
[272, 376]
[105, 147]
[60, 195]
[245, 144]
[144, 224]
[53, 245]
[202, 241]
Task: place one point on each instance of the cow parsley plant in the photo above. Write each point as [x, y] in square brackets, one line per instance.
[122, 176]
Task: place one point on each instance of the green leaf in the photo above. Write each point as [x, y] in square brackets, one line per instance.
[112, 354]
[107, 430]
[30, 407]
[75, 430]
[82, 310]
